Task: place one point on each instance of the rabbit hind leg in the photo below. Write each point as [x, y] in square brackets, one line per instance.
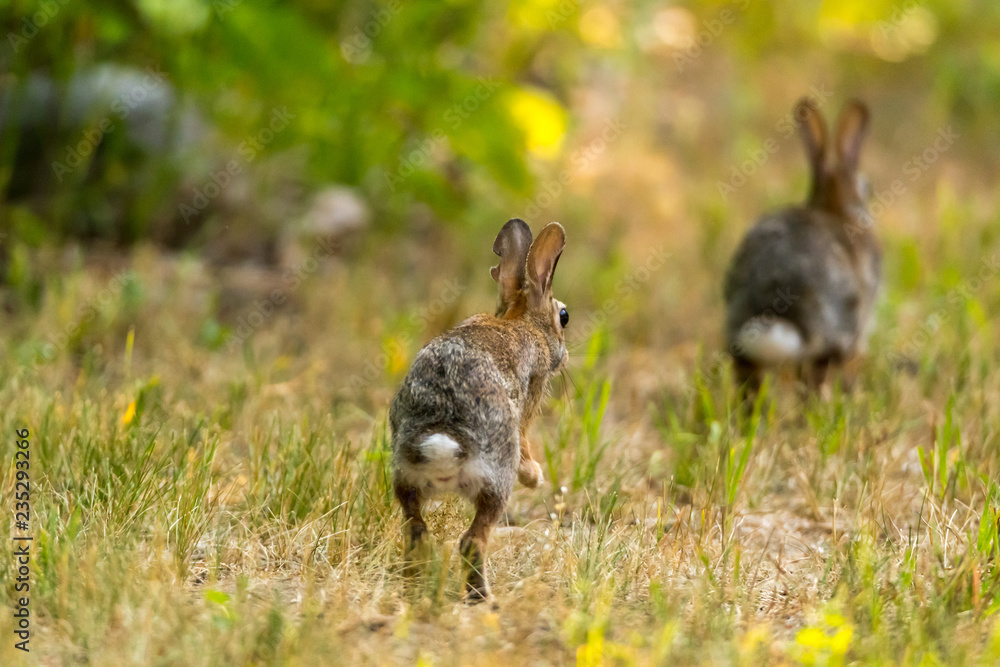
[414, 528]
[489, 507]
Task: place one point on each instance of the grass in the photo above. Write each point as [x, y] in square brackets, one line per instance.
[200, 502]
[210, 505]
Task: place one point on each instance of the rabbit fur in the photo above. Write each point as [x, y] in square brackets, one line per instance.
[460, 418]
[802, 284]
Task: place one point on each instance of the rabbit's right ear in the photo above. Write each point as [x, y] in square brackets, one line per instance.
[851, 131]
[542, 261]
[511, 245]
[812, 128]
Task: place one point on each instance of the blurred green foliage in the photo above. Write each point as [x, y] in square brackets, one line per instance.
[409, 101]
[460, 106]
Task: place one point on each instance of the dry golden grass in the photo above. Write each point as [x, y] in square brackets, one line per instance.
[201, 502]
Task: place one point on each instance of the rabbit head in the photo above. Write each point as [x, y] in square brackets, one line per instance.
[524, 276]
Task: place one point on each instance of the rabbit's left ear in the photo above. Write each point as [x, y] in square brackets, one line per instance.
[851, 131]
[542, 260]
[812, 129]
[511, 245]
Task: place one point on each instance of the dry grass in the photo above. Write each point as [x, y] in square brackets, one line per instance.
[242, 514]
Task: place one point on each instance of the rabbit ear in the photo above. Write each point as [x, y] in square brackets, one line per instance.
[511, 244]
[851, 131]
[812, 127]
[542, 260]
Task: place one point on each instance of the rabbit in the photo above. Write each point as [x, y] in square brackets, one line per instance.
[460, 419]
[802, 284]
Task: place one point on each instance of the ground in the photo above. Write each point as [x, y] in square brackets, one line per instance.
[208, 450]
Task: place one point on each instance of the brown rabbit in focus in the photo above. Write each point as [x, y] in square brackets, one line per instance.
[460, 419]
[801, 286]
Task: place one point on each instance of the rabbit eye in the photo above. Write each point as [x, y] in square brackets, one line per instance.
[563, 317]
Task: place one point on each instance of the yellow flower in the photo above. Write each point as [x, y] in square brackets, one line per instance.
[396, 356]
[834, 620]
[129, 414]
[591, 654]
[541, 118]
[811, 638]
[841, 641]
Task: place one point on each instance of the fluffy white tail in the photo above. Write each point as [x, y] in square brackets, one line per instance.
[770, 341]
[441, 467]
[439, 448]
[445, 467]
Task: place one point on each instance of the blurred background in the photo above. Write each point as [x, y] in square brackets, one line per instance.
[322, 181]
[227, 227]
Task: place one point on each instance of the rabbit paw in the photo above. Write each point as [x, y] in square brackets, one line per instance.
[529, 473]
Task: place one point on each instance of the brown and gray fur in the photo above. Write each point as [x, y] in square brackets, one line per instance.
[460, 419]
[802, 284]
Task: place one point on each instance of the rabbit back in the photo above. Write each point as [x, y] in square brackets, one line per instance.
[454, 420]
[794, 268]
